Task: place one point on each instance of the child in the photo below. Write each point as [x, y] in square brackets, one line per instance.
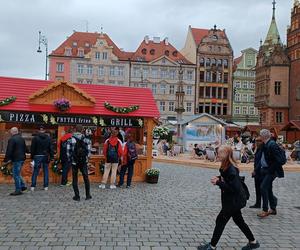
[230, 185]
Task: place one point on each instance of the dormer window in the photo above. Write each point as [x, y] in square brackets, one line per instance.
[68, 51]
[74, 44]
[81, 52]
[87, 45]
[167, 52]
[144, 51]
[152, 51]
[175, 53]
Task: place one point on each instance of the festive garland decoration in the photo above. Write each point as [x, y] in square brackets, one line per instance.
[5, 170]
[55, 167]
[122, 110]
[7, 100]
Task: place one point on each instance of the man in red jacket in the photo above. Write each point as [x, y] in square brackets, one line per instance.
[113, 155]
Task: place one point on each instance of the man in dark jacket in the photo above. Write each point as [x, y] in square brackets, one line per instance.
[41, 150]
[270, 169]
[66, 164]
[16, 153]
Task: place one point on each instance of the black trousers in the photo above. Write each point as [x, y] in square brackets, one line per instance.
[128, 166]
[221, 222]
[257, 182]
[84, 170]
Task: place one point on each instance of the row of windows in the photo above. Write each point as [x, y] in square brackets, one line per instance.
[213, 108]
[162, 73]
[101, 56]
[171, 106]
[279, 117]
[207, 62]
[212, 76]
[245, 110]
[213, 92]
[244, 97]
[244, 85]
[261, 89]
[101, 70]
[99, 81]
[163, 88]
[245, 73]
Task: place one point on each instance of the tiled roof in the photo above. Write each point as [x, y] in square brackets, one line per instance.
[86, 40]
[236, 61]
[117, 96]
[151, 50]
[199, 34]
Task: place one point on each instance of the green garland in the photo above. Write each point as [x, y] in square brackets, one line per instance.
[55, 168]
[7, 100]
[5, 170]
[122, 110]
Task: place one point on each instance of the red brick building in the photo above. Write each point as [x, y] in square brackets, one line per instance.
[293, 47]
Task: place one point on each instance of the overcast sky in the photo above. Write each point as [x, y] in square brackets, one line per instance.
[126, 22]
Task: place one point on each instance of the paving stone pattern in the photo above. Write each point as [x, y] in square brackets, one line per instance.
[177, 213]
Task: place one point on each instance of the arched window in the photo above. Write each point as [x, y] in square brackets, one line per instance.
[225, 63]
[213, 62]
[144, 51]
[207, 62]
[152, 51]
[219, 62]
[202, 62]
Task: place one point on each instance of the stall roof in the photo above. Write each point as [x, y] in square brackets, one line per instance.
[193, 118]
[292, 123]
[22, 89]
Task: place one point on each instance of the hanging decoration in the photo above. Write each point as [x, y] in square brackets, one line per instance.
[62, 104]
[122, 110]
[7, 100]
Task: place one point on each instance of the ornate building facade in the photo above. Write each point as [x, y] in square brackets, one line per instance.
[272, 79]
[244, 112]
[211, 51]
[293, 47]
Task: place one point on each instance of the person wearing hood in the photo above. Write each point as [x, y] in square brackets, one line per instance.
[78, 153]
[66, 165]
[41, 151]
[112, 152]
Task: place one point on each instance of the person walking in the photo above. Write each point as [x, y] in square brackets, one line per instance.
[129, 157]
[66, 164]
[112, 152]
[16, 153]
[232, 201]
[297, 150]
[256, 172]
[78, 153]
[41, 153]
[272, 159]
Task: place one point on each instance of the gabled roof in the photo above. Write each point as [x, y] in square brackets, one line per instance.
[115, 95]
[290, 124]
[199, 34]
[149, 51]
[82, 39]
[195, 117]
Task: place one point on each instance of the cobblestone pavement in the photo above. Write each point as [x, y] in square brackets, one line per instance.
[177, 213]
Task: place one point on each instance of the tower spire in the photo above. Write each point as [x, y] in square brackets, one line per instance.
[273, 36]
[274, 9]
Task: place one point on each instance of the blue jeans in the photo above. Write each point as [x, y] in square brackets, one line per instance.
[19, 182]
[266, 188]
[40, 160]
[66, 166]
[128, 166]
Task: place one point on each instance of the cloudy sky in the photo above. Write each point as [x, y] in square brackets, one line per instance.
[126, 22]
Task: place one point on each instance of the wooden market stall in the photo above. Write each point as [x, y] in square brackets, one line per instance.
[27, 104]
[292, 131]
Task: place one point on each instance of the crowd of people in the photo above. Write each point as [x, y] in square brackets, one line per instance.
[75, 151]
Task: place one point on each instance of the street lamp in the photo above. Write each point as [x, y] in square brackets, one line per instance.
[180, 104]
[43, 40]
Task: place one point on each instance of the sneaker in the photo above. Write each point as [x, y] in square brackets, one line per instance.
[272, 211]
[119, 186]
[102, 186]
[69, 183]
[255, 206]
[263, 214]
[206, 246]
[76, 198]
[46, 188]
[23, 189]
[250, 246]
[32, 189]
[127, 186]
[16, 193]
[112, 187]
[88, 197]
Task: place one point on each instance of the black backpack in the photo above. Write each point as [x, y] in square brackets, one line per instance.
[112, 153]
[244, 192]
[132, 153]
[80, 151]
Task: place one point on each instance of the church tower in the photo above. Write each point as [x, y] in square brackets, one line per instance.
[293, 46]
[272, 79]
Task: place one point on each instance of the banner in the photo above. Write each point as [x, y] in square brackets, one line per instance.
[69, 120]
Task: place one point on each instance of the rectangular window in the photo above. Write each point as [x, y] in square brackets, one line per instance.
[208, 76]
[237, 85]
[251, 98]
[252, 85]
[172, 90]
[225, 93]
[172, 74]
[251, 110]
[154, 88]
[162, 106]
[97, 55]
[101, 71]
[207, 92]
[219, 76]
[201, 108]
[80, 68]
[164, 74]
[145, 73]
[245, 98]
[237, 110]
[188, 107]
[277, 88]
[189, 75]
[104, 56]
[245, 85]
[112, 71]
[219, 92]
[225, 77]
[201, 76]
[207, 109]
[237, 97]
[89, 81]
[136, 72]
[80, 52]
[224, 109]
[120, 71]
[163, 89]
[214, 92]
[244, 110]
[171, 106]
[136, 85]
[201, 92]
[154, 72]
[89, 69]
[189, 90]
[59, 67]
[279, 117]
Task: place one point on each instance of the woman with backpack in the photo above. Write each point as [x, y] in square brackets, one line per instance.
[129, 157]
[233, 200]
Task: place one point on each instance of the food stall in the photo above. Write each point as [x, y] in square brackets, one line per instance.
[28, 104]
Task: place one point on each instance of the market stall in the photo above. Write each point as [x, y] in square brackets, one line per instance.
[27, 104]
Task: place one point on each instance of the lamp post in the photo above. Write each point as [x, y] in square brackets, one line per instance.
[180, 104]
[43, 40]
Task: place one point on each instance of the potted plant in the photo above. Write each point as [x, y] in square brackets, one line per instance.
[62, 104]
[152, 175]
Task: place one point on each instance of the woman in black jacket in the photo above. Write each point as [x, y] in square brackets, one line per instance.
[232, 201]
